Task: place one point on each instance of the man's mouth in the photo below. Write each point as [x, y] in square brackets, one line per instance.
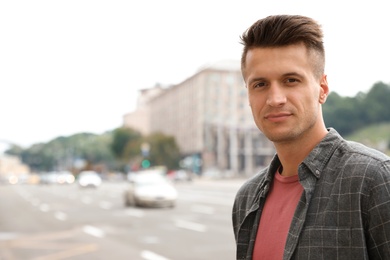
[277, 117]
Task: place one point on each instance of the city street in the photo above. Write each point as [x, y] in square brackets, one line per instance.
[51, 222]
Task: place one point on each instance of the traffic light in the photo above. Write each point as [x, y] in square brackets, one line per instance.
[145, 163]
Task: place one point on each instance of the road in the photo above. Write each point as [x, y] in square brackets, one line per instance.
[52, 222]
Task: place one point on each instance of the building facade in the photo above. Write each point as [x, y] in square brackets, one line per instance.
[12, 169]
[210, 118]
[140, 118]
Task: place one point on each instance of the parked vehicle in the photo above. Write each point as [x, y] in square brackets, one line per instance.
[89, 179]
[65, 177]
[180, 176]
[48, 178]
[150, 190]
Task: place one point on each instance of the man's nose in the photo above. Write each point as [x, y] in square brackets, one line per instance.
[276, 96]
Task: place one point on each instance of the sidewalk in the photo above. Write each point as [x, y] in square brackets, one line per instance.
[234, 182]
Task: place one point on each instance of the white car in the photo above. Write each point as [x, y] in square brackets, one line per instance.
[65, 177]
[89, 179]
[150, 190]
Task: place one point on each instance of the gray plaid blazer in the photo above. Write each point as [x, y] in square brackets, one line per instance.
[344, 211]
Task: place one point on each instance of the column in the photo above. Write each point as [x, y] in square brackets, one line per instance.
[249, 169]
[233, 149]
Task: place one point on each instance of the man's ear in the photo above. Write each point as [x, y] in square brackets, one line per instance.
[324, 89]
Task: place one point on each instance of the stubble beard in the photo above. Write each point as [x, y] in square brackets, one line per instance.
[280, 134]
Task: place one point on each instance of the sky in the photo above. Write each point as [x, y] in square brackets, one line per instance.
[75, 66]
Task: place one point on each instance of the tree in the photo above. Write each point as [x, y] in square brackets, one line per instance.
[347, 114]
[125, 145]
[377, 103]
[342, 113]
[39, 157]
[163, 151]
[62, 152]
[15, 150]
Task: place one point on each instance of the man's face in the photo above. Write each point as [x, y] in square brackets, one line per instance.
[284, 94]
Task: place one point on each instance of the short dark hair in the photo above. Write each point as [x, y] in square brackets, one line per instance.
[284, 30]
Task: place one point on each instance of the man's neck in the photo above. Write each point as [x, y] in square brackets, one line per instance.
[292, 154]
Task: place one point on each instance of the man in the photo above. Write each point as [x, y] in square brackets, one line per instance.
[321, 197]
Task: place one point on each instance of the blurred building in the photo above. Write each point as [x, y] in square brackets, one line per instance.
[140, 118]
[210, 118]
[12, 167]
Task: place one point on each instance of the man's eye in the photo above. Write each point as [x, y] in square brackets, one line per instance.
[291, 80]
[259, 85]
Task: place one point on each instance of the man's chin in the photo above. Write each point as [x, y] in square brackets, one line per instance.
[280, 136]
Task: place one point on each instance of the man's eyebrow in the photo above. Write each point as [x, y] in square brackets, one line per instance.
[287, 74]
[292, 74]
[256, 79]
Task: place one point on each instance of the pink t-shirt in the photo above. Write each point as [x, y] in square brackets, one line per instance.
[276, 217]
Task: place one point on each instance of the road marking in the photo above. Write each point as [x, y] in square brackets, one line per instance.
[7, 236]
[47, 241]
[114, 195]
[202, 209]
[93, 231]
[190, 225]
[60, 216]
[35, 202]
[72, 196]
[105, 205]
[148, 255]
[67, 253]
[32, 241]
[44, 207]
[150, 240]
[86, 200]
[135, 213]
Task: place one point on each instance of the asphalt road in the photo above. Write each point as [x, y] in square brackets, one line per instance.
[52, 222]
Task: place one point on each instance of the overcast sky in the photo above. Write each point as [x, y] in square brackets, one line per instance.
[76, 66]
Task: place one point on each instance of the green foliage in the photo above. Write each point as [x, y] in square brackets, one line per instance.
[62, 152]
[347, 114]
[39, 157]
[376, 136]
[113, 150]
[374, 133]
[376, 104]
[125, 143]
[163, 150]
[15, 150]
